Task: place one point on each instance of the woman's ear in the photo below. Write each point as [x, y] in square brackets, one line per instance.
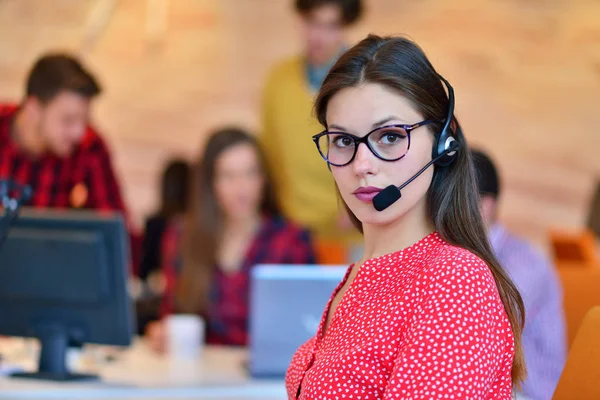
[453, 125]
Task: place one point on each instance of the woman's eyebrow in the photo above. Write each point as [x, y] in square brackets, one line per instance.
[337, 128]
[386, 120]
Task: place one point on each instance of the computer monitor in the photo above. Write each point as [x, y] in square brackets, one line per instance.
[63, 279]
[286, 306]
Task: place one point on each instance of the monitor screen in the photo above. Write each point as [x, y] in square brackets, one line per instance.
[64, 280]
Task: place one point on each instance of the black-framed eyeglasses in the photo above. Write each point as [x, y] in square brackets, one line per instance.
[388, 143]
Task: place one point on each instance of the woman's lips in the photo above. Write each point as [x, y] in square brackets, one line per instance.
[366, 194]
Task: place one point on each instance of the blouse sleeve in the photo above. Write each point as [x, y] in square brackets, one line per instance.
[459, 343]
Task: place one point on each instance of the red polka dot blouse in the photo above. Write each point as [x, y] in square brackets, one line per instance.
[425, 322]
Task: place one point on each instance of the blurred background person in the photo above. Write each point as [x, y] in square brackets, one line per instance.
[544, 336]
[304, 185]
[174, 193]
[46, 141]
[234, 224]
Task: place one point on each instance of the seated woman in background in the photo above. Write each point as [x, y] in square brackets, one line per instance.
[173, 205]
[233, 225]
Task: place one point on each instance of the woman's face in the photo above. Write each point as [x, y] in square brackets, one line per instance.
[239, 181]
[359, 110]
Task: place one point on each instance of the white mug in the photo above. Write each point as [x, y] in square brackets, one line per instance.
[185, 336]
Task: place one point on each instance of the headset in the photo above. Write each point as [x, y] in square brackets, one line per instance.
[445, 147]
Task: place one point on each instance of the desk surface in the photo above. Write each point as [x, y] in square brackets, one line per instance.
[139, 373]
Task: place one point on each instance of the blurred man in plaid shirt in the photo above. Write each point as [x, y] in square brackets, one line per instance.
[46, 140]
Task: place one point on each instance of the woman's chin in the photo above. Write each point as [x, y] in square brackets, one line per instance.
[374, 217]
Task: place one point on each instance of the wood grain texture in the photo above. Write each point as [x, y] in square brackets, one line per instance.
[526, 75]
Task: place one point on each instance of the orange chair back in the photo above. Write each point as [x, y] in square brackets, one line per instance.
[581, 292]
[581, 377]
[574, 248]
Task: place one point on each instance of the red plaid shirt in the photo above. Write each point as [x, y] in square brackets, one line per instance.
[83, 180]
[278, 242]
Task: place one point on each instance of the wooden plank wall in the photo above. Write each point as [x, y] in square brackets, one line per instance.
[526, 74]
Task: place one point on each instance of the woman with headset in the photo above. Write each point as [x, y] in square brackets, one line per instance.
[428, 312]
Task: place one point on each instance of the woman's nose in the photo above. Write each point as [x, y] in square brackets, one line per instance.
[364, 161]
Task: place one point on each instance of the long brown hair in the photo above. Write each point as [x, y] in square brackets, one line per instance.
[174, 189]
[453, 201]
[205, 220]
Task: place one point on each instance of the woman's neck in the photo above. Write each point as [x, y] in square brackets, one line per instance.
[386, 239]
[237, 237]
[247, 225]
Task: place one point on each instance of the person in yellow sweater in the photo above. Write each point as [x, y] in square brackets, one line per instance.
[305, 187]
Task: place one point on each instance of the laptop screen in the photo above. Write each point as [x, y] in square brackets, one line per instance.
[287, 303]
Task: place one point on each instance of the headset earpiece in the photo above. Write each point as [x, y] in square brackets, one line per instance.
[445, 142]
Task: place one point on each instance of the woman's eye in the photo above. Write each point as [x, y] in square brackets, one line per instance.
[391, 137]
[342, 141]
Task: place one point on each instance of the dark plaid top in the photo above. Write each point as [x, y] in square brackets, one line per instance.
[277, 242]
[83, 180]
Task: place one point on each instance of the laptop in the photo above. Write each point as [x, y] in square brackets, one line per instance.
[286, 306]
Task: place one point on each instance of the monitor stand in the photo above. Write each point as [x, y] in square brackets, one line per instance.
[54, 342]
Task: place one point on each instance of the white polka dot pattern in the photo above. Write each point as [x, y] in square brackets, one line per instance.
[426, 322]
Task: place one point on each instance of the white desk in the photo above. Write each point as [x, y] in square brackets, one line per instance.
[140, 374]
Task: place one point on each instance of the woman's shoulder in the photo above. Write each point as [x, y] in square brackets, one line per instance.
[455, 262]
[278, 225]
[286, 242]
[457, 273]
[456, 277]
